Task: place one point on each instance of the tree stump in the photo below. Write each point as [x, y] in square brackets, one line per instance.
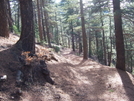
[34, 70]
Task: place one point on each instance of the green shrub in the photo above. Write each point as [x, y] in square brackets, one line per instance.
[56, 48]
[16, 30]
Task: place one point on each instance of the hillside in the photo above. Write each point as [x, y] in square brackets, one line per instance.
[75, 79]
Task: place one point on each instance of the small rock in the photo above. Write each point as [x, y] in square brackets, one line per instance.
[3, 78]
[57, 96]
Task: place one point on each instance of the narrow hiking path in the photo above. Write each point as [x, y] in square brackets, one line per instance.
[76, 79]
[87, 80]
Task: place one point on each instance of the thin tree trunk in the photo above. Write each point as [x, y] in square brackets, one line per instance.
[18, 19]
[62, 37]
[56, 31]
[97, 46]
[69, 42]
[10, 21]
[43, 20]
[44, 31]
[131, 58]
[127, 54]
[103, 36]
[72, 33]
[85, 48]
[110, 53]
[39, 21]
[103, 40]
[80, 44]
[47, 29]
[89, 41]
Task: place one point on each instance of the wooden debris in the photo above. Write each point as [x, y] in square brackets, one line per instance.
[28, 58]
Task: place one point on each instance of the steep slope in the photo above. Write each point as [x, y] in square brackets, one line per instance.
[75, 79]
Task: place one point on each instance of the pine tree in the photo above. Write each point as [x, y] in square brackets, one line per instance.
[120, 64]
[3, 19]
[27, 37]
[85, 55]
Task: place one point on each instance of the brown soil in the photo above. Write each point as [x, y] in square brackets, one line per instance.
[76, 79]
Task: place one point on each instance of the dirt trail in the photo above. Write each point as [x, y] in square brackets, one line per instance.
[87, 80]
[76, 79]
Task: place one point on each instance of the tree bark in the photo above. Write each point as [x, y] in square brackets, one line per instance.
[89, 41]
[10, 21]
[97, 45]
[72, 34]
[43, 20]
[120, 64]
[47, 28]
[3, 19]
[39, 21]
[111, 46]
[18, 19]
[85, 48]
[56, 31]
[27, 37]
[47, 25]
[103, 40]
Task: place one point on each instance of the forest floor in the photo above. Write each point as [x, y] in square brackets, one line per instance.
[75, 79]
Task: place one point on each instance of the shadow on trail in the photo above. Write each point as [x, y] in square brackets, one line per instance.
[127, 83]
[87, 80]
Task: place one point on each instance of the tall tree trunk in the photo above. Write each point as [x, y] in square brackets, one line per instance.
[85, 48]
[10, 21]
[18, 19]
[47, 28]
[3, 19]
[89, 38]
[131, 58]
[89, 41]
[43, 20]
[69, 39]
[72, 34]
[27, 37]
[111, 46]
[47, 24]
[61, 31]
[103, 35]
[40, 20]
[120, 64]
[97, 46]
[44, 31]
[103, 40]
[35, 20]
[80, 44]
[56, 31]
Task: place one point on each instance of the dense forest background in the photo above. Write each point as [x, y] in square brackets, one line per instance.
[98, 29]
